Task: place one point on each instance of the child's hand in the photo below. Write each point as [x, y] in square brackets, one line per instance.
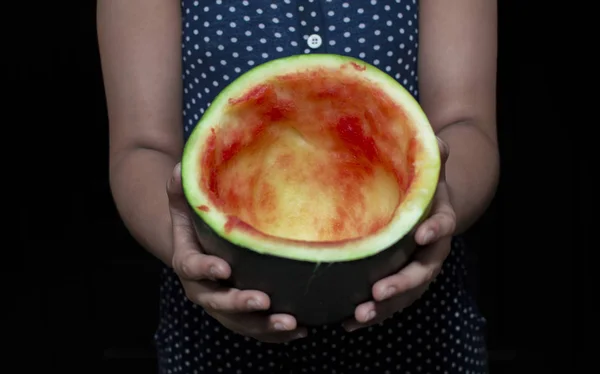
[197, 271]
[400, 290]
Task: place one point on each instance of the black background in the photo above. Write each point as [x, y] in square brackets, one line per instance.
[86, 295]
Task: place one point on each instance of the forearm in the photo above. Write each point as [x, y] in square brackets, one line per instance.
[140, 50]
[138, 181]
[472, 171]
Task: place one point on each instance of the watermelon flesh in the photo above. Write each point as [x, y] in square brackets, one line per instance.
[314, 156]
[308, 175]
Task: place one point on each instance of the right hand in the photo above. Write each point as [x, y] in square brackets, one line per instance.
[233, 308]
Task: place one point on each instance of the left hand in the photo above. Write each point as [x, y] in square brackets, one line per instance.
[434, 235]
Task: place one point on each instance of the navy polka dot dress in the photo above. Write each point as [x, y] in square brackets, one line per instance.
[442, 332]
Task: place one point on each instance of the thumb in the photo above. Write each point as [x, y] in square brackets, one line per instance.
[183, 228]
[442, 221]
[184, 239]
[444, 154]
[180, 211]
[177, 201]
[188, 260]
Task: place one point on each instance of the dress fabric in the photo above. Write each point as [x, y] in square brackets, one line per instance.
[443, 331]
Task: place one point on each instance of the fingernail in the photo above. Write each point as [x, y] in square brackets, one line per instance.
[428, 237]
[214, 271]
[280, 326]
[370, 315]
[185, 270]
[351, 328]
[388, 292]
[253, 304]
[176, 170]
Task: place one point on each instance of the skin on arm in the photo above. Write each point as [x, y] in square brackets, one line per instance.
[457, 84]
[140, 48]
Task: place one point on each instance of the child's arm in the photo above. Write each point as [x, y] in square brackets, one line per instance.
[457, 82]
[140, 50]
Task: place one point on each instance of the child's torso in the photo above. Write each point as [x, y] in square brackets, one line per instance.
[223, 39]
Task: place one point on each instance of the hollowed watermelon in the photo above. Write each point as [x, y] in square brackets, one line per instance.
[309, 174]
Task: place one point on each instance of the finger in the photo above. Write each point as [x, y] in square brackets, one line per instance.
[367, 314]
[442, 221]
[371, 313]
[444, 155]
[191, 264]
[420, 272]
[219, 299]
[183, 227]
[275, 328]
[177, 202]
[353, 325]
[284, 322]
[440, 224]
[281, 337]
[188, 261]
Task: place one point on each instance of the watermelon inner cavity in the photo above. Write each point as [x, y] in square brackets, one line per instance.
[321, 156]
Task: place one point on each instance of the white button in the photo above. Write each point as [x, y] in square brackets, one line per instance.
[314, 41]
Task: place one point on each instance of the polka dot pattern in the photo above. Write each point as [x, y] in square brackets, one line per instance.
[443, 332]
[223, 39]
